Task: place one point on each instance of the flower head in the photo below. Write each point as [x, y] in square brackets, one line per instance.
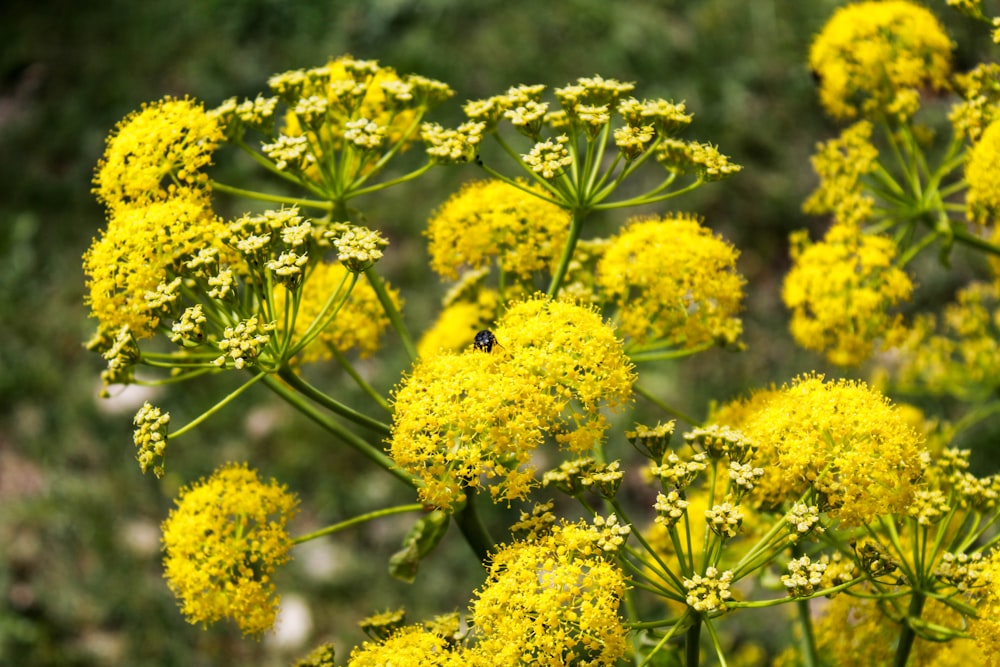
[477, 415]
[982, 171]
[841, 163]
[158, 153]
[491, 220]
[841, 290]
[222, 543]
[411, 646]
[551, 601]
[690, 300]
[842, 439]
[873, 58]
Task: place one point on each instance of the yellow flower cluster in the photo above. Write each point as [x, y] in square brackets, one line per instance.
[553, 601]
[482, 414]
[158, 153]
[956, 355]
[980, 105]
[465, 313]
[692, 299]
[840, 164]
[138, 250]
[843, 440]
[873, 58]
[840, 291]
[492, 220]
[222, 544]
[412, 646]
[982, 172]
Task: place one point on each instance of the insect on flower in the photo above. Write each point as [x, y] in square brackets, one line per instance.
[485, 340]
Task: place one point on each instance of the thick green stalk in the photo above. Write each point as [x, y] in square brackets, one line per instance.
[807, 642]
[567, 254]
[692, 647]
[907, 636]
[469, 522]
[391, 312]
[311, 392]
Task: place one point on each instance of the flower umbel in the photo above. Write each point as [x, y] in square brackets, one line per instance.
[222, 543]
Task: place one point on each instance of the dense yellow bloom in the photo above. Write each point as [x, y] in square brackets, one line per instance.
[358, 325]
[489, 220]
[980, 105]
[140, 248]
[982, 172]
[840, 164]
[551, 602]
[842, 439]
[840, 291]
[222, 543]
[985, 630]
[464, 417]
[873, 58]
[412, 646]
[957, 354]
[673, 282]
[157, 153]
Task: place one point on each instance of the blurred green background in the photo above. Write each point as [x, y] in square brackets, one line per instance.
[80, 572]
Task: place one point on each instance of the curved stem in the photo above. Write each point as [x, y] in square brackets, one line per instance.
[299, 384]
[469, 522]
[391, 311]
[218, 406]
[567, 254]
[377, 514]
[673, 412]
[334, 428]
[278, 199]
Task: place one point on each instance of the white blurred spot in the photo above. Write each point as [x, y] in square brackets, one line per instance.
[294, 624]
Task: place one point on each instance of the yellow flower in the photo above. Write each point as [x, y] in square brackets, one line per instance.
[553, 601]
[980, 105]
[873, 58]
[142, 247]
[673, 282]
[479, 415]
[840, 164]
[358, 325]
[982, 172]
[956, 355]
[489, 220]
[459, 322]
[222, 543]
[843, 440]
[412, 646]
[157, 153]
[840, 291]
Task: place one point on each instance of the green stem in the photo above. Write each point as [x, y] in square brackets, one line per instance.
[349, 438]
[377, 514]
[218, 406]
[673, 412]
[391, 311]
[278, 199]
[807, 642]
[361, 382]
[567, 254]
[692, 648]
[907, 636]
[299, 384]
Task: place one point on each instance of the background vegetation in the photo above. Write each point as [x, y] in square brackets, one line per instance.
[80, 572]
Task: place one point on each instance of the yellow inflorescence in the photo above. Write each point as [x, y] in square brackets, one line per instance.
[844, 440]
[841, 290]
[493, 221]
[873, 59]
[673, 282]
[464, 417]
[982, 172]
[222, 544]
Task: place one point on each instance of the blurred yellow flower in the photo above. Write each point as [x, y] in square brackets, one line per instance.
[222, 543]
[873, 59]
[982, 172]
[840, 291]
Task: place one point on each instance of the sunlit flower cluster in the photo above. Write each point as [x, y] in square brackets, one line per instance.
[873, 58]
[841, 164]
[686, 302]
[843, 440]
[463, 416]
[982, 171]
[222, 544]
[552, 601]
[490, 220]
